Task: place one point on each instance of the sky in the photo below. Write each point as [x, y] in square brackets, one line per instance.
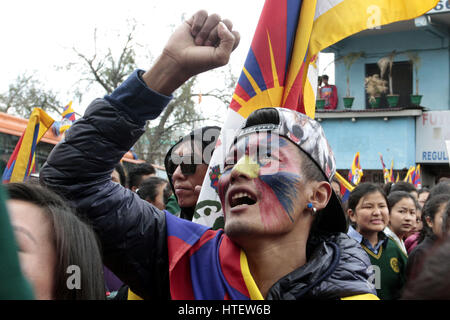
[39, 36]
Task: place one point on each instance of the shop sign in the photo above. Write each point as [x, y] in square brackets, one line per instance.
[432, 132]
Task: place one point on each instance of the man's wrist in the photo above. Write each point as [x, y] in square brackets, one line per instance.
[137, 99]
[165, 76]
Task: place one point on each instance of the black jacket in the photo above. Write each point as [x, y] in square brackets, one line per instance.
[133, 232]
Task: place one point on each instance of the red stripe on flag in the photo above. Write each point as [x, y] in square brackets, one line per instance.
[179, 272]
[294, 98]
[230, 260]
[272, 14]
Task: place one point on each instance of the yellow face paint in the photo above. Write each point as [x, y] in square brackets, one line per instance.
[247, 166]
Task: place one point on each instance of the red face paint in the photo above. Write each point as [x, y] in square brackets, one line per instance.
[276, 184]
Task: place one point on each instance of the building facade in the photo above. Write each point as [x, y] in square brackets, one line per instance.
[409, 133]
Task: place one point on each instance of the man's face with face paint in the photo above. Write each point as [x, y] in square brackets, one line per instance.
[262, 188]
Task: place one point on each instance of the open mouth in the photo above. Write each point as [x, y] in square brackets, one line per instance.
[242, 198]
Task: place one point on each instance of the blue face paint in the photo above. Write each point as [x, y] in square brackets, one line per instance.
[284, 185]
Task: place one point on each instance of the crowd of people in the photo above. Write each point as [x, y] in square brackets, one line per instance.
[90, 230]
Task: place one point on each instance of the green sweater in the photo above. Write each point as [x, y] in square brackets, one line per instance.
[13, 285]
[391, 276]
[172, 206]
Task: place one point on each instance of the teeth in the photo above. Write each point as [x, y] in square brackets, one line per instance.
[241, 195]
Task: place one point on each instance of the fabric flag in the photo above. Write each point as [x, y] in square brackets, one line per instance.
[68, 118]
[416, 180]
[408, 177]
[281, 66]
[386, 173]
[398, 177]
[391, 172]
[21, 161]
[355, 174]
[346, 187]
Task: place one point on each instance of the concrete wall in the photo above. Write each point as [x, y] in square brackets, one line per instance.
[394, 139]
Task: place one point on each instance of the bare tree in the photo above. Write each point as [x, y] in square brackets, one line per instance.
[105, 69]
[26, 93]
[180, 116]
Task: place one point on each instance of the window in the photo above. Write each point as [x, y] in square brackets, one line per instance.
[402, 83]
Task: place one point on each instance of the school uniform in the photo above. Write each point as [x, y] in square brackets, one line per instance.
[390, 261]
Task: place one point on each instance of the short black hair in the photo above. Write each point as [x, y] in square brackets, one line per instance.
[325, 76]
[403, 186]
[387, 187]
[361, 190]
[441, 188]
[397, 196]
[135, 174]
[149, 189]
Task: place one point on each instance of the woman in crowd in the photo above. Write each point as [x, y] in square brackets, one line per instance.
[432, 230]
[155, 191]
[402, 217]
[413, 239]
[58, 253]
[369, 213]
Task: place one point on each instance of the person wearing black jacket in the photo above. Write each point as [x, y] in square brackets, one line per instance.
[284, 227]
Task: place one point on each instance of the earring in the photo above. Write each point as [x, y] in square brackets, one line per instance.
[310, 206]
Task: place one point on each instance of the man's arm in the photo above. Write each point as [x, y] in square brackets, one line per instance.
[132, 232]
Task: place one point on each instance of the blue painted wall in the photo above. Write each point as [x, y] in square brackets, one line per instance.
[394, 139]
[434, 74]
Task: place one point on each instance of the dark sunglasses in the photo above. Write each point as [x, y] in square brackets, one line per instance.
[186, 169]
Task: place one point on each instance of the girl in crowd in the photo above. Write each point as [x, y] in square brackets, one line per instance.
[432, 230]
[402, 217]
[369, 214]
[58, 253]
[413, 239]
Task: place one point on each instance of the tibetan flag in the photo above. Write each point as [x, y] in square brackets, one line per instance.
[355, 174]
[21, 162]
[68, 117]
[386, 173]
[205, 264]
[68, 112]
[346, 187]
[391, 172]
[408, 177]
[416, 180]
[281, 66]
